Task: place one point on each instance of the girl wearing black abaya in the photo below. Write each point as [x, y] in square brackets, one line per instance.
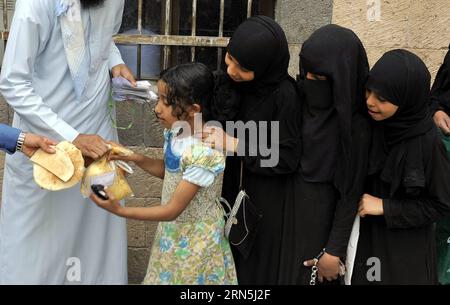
[257, 61]
[408, 186]
[335, 139]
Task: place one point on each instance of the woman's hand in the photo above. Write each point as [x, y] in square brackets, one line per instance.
[370, 205]
[111, 205]
[442, 120]
[328, 265]
[217, 138]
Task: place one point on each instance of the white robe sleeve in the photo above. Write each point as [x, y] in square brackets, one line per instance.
[115, 58]
[30, 30]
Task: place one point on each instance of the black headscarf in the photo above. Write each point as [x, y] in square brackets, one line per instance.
[329, 106]
[440, 92]
[259, 45]
[401, 78]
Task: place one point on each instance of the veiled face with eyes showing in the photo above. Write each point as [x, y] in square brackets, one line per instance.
[236, 71]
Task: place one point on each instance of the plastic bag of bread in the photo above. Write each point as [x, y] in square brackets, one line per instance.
[110, 174]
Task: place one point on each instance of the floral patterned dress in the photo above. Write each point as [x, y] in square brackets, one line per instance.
[192, 249]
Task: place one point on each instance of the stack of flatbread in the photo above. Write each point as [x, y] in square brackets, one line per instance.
[60, 170]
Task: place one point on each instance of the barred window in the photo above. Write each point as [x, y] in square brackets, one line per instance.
[156, 34]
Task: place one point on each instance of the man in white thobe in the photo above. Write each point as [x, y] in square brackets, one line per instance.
[60, 237]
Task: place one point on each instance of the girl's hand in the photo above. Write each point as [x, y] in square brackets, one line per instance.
[370, 205]
[442, 120]
[111, 205]
[328, 265]
[135, 157]
[217, 138]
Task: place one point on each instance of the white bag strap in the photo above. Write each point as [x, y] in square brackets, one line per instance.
[231, 218]
[224, 201]
[232, 212]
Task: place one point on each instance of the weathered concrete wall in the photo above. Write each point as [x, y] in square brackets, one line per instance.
[147, 191]
[146, 137]
[299, 19]
[418, 26]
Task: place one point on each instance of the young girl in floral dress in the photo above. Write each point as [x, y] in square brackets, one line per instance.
[189, 246]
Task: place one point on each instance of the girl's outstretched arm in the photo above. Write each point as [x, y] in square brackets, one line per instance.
[182, 196]
[154, 167]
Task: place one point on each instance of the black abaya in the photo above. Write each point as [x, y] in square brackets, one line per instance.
[266, 186]
[404, 239]
[410, 172]
[335, 144]
[260, 45]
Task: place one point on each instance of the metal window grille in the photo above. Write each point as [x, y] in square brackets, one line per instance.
[167, 40]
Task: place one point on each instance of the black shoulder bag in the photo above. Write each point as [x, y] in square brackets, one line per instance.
[242, 220]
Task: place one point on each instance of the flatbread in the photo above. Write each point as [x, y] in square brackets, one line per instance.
[49, 181]
[58, 163]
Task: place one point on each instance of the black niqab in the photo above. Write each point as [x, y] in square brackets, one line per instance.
[338, 54]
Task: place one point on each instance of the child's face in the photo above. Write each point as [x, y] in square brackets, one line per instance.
[379, 108]
[236, 72]
[163, 110]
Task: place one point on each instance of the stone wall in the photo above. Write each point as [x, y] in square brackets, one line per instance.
[299, 19]
[416, 25]
[145, 136]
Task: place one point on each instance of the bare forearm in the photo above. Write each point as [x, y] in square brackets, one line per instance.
[154, 167]
[167, 212]
[154, 213]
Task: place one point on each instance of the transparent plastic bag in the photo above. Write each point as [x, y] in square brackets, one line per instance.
[110, 174]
